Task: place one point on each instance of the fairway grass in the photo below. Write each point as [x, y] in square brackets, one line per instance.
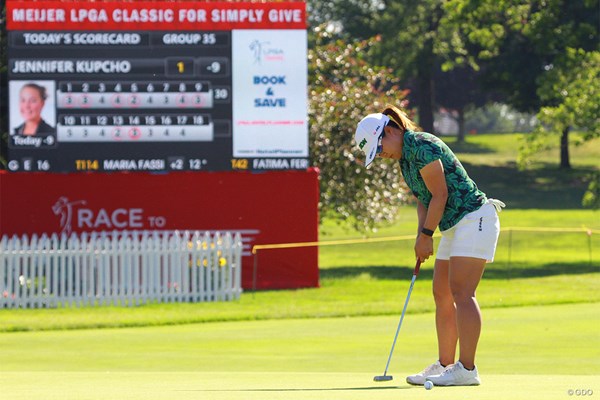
[525, 353]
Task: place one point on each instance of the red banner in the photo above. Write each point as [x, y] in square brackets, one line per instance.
[266, 208]
[147, 15]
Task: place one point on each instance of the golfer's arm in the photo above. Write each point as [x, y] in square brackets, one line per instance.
[421, 215]
[433, 176]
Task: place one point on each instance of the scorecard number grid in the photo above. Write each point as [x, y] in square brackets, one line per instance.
[137, 111]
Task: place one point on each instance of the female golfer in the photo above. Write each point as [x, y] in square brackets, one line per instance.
[446, 198]
[32, 98]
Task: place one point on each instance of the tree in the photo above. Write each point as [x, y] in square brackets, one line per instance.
[520, 43]
[459, 89]
[573, 89]
[407, 34]
[343, 89]
[409, 39]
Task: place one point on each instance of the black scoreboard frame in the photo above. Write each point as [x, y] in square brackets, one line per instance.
[148, 99]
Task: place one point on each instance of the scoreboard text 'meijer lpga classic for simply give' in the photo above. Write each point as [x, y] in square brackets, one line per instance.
[154, 15]
[156, 86]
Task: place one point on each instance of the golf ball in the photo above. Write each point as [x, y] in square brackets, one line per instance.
[428, 385]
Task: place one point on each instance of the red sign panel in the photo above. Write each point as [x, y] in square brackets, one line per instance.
[147, 15]
[266, 208]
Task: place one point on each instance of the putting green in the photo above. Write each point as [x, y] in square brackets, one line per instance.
[524, 353]
[279, 385]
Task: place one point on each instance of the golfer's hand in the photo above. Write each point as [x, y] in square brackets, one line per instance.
[423, 247]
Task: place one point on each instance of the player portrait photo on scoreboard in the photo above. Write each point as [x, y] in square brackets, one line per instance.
[32, 113]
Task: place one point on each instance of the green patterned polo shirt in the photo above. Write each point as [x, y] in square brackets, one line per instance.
[420, 149]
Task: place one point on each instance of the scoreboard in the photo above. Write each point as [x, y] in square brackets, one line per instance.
[156, 86]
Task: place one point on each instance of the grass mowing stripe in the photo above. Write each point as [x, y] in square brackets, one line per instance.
[526, 340]
[365, 293]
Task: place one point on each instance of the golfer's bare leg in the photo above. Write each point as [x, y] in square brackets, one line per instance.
[445, 313]
[464, 276]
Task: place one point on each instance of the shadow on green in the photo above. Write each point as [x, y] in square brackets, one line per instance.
[469, 147]
[549, 188]
[308, 389]
[515, 271]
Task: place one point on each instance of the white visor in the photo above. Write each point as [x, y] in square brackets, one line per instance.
[367, 134]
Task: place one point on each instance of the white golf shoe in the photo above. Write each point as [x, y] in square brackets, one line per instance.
[419, 379]
[456, 375]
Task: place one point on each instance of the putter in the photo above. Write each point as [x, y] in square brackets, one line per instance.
[385, 377]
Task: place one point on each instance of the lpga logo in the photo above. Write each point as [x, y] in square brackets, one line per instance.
[73, 215]
[261, 51]
[64, 209]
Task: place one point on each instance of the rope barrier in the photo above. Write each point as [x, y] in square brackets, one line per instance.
[510, 230]
[257, 247]
[563, 230]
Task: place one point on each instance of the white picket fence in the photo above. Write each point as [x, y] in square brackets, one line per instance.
[119, 268]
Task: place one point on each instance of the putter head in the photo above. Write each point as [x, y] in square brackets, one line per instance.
[383, 378]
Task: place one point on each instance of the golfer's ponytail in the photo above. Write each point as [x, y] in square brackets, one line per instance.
[399, 118]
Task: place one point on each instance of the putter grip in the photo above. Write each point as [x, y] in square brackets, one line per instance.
[417, 267]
